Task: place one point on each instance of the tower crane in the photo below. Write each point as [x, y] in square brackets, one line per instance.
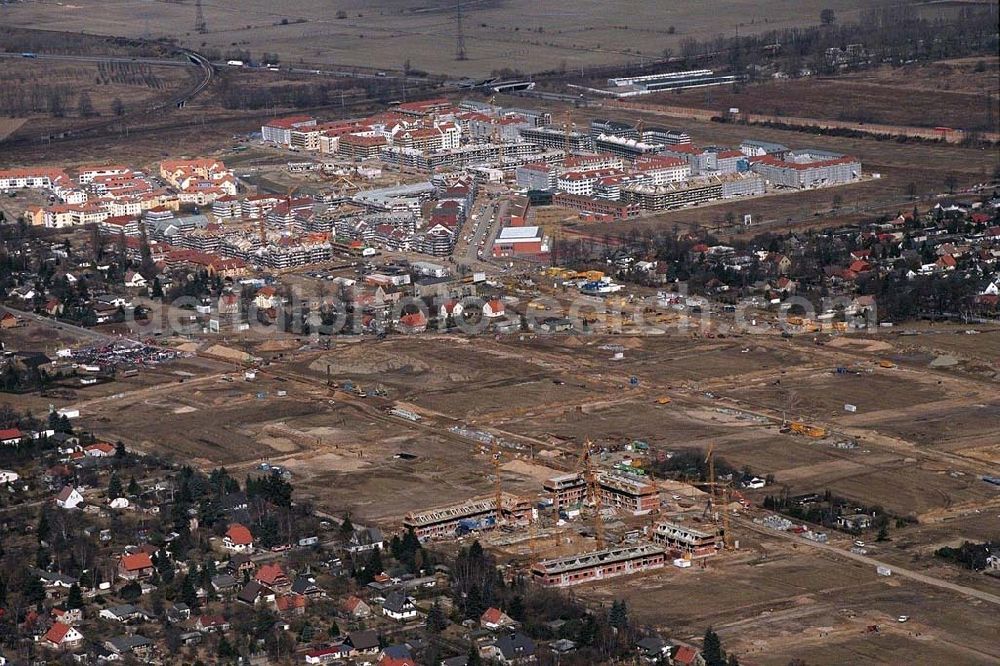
[497, 488]
[593, 494]
[718, 503]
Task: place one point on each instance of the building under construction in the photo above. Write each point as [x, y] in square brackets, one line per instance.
[622, 492]
[599, 565]
[566, 490]
[696, 543]
[476, 514]
[628, 493]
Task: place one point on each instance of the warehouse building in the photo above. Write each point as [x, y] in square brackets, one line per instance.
[599, 565]
[523, 241]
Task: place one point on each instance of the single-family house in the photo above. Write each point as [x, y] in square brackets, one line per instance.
[62, 637]
[399, 607]
[238, 539]
[71, 616]
[356, 609]
[135, 566]
[494, 618]
[11, 436]
[271, 575]
[134, 280]
[685, 655]
[133, 644]
[363, 643]
[209, 623]
[124, 613]
[511, 649]
[653, 649]
[69, 498]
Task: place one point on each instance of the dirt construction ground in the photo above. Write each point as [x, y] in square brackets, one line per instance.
[925, 433]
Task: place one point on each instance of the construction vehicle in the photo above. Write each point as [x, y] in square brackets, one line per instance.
[885, 363]
[807, 430]
[663, 400]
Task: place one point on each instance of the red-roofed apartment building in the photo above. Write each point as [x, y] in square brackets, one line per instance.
[279, 130]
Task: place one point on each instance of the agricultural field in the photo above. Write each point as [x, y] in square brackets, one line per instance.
[956, 94]
[499, 34]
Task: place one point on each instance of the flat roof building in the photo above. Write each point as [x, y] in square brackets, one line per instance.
[476, 514]
[598, 565]
[697, 543]
[627, 493]
[566, 490]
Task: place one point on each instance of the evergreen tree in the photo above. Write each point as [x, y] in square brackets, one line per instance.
[711, 649]
[346, 527]
[188, 593]
[74, 599]
[43, 529]
[516, 608]
[133, 487]
[474, 606]
[732, 661]
[114, 486]
[436, 621]
[334, 630]
[618, 617]
[473, 659]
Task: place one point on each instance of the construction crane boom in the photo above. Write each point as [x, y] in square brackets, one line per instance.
[593, 494]
[497, 487]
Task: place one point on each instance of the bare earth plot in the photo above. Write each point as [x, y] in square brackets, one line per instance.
[771, 599]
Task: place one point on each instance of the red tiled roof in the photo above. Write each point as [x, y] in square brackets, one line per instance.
[491, 616]
[269, 574]
[239, 535]
[136, 562]
[57, 632]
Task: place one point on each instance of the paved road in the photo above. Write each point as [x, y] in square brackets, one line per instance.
[872, 562]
